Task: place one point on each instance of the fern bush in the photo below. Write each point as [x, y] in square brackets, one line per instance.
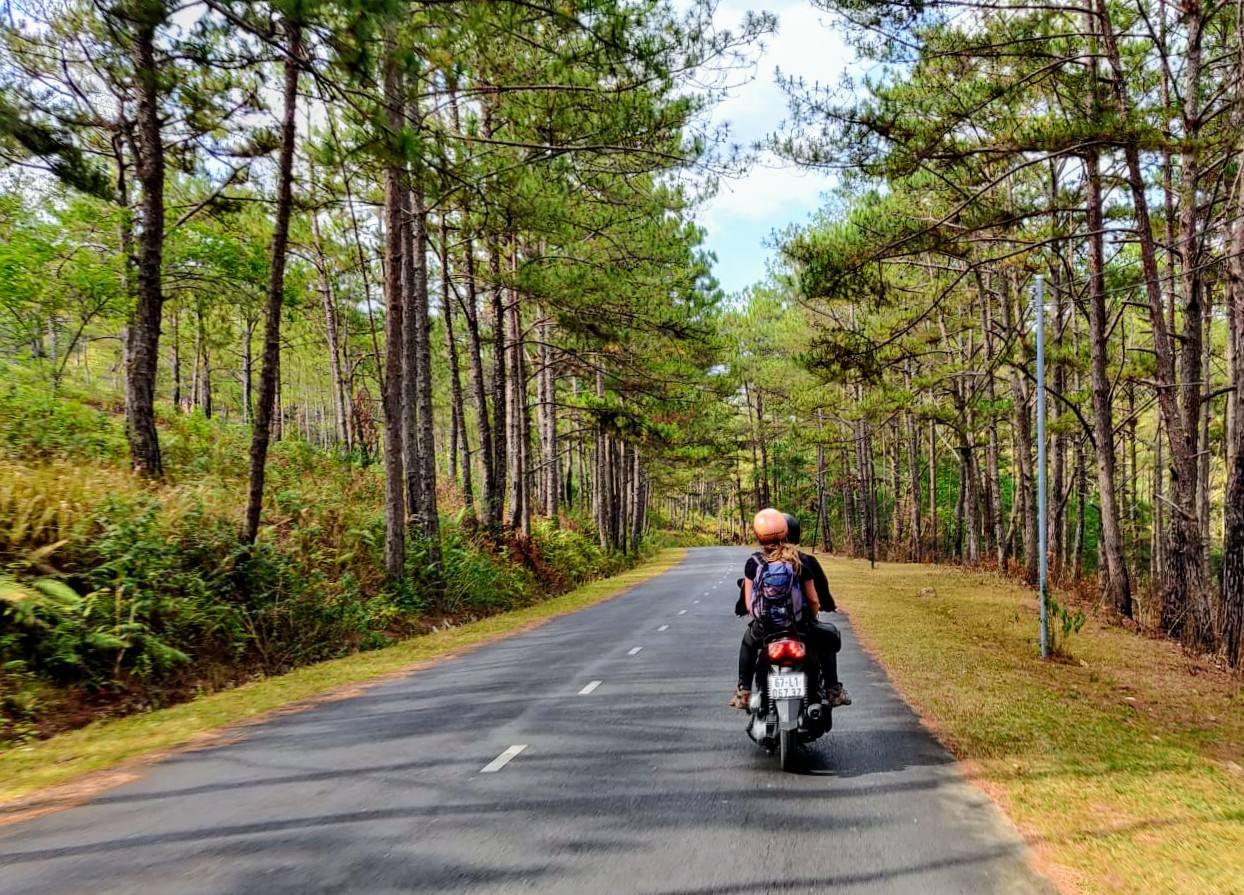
[573, 556]
[117, 593]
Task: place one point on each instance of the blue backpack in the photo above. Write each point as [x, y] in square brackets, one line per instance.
[777, 598]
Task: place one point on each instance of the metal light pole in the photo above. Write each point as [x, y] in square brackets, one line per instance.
[1042, 526]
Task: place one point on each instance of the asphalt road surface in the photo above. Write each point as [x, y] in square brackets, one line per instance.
[592, 755]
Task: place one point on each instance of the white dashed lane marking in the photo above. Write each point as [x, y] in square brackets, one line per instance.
[663, 628]
[589, 688]
[503, 759]
[633, 650]
[682, 611]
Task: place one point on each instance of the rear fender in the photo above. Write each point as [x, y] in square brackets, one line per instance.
[788, 712]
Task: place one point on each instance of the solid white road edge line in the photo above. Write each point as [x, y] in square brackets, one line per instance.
[589, 688]
[503, 759]
[633, 650]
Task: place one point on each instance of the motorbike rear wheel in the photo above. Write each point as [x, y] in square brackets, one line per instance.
[786, 749]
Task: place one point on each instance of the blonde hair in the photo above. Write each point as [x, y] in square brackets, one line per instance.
[782, 552]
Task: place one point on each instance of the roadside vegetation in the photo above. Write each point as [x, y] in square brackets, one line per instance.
[323, 324]
[1122, 763]
[885, 372]
[34, 767]
[121, 594]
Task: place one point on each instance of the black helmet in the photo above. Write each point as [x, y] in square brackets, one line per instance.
[792, 529]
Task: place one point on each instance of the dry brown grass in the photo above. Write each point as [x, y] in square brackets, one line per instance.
[1122, 766]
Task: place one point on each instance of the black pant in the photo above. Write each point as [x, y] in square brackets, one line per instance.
[822, 637]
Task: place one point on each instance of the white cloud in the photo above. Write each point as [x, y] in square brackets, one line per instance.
[765, 193]
[746, 210]
[806, 46]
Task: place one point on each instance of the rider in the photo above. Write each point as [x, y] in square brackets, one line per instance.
[826, 639]
[777, 534]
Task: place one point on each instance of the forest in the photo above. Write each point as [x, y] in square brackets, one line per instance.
[325, 321]
[888, 367]
[322, 322]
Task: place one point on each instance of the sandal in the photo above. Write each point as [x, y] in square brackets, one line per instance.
[741, 699]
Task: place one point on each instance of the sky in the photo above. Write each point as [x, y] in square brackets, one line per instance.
[771, 195]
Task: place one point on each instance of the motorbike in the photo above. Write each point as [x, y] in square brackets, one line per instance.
[782, 715]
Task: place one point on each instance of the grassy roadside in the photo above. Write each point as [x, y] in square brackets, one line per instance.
[1121, 766]
[37, 766]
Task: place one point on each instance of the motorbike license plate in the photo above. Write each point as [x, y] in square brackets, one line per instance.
[787, 686]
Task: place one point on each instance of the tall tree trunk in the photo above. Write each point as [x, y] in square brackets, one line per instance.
[600, 472]
[523, 408]
[933, 552]
[1024, 461]
[971, 499]
[1205, 451]
[1230, 610]
[752, 443]
[1185, 608]
[425, 519]
[329, 301]
[1116, 583]
[394, 202]
[551, 466]
[177, 365]
[822, 488]
[960, 509]
[915, 535]
[766, 497]
[868, 489]
[639, 500]
[500, 392]
[458, 428]
[262, 429]
[490, 500]
[248, 369]
[516, 395]
[1077, 540]
[412, 465]
[992, 467]
[203, 365]
[142, 350]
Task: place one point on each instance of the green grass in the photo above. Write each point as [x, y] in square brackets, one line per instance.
[104, 745]
[1121, 763]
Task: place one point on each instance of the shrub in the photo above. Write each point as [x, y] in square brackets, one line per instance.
[36, 425]
[118, 593]
[475, 580]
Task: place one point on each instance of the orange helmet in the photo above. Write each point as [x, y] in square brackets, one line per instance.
[769, 526]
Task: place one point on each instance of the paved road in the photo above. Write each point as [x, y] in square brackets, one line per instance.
[644, 784]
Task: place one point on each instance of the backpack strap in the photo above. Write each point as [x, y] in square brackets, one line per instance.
[761, 565]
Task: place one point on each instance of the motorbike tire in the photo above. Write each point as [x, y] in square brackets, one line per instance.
[786, 749]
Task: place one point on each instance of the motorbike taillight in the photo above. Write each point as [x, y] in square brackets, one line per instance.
[786, 649]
